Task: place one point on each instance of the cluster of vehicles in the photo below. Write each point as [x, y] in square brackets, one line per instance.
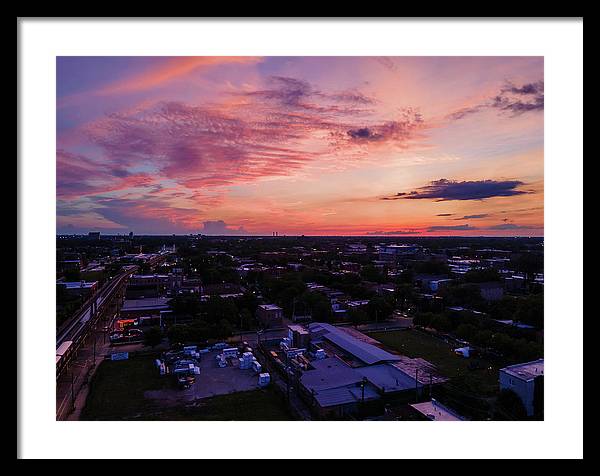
[126, 336]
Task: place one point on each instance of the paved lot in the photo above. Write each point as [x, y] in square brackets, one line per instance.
[212, 381]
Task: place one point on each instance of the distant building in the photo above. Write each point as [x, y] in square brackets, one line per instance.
[439, 284]
[391, 252]
[431, 282]
[356, 248]
[526, 380]
[94, 235]
[69, 265]
[147, 285]
[350, 267]
[79, 288]
[491, 291]
[269, 315]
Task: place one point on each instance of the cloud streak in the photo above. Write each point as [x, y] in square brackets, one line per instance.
[512, 99]
[444, 190]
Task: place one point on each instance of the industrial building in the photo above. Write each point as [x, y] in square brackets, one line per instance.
[341, 374]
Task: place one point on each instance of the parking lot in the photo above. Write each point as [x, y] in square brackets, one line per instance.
[212, 381]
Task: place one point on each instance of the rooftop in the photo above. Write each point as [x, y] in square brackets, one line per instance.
[367, 353]
[145, 303]
[526, 371]
[332, 382]
[387, 378]
[270, 307]
[78, 284]
[297, 328]
[436, 411]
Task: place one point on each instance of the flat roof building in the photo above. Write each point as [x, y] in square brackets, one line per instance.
[527, 381]
[365, 352]
[435, 411]
[355, 372]
[144, 307]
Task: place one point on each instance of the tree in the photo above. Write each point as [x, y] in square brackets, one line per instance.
[405, 294]
[218, 309]
[509, 406]
[224, 329]
[358, 316]
[481, 275]
[245, 319]
[185, 305]
[72, 275]
[441, 323]
[153, 336]
[423, 319]
[528, 264]
[530, 310]
[178, 333]
[371, 273]
[379, 309]
[318, 305]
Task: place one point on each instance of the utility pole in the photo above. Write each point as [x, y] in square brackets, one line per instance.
[362, 390]
[416, 385]
[72, 391]
[287, 374]
[430, 384]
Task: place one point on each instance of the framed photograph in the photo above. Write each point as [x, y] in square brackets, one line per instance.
[334, 234]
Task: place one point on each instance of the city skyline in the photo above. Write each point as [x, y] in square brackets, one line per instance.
[401, 146]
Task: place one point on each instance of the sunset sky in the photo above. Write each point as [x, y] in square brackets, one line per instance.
[389, 146]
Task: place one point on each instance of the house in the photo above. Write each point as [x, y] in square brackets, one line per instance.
[269, 315]
[526, 380]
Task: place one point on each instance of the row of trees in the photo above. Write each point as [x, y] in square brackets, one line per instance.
[514, 345]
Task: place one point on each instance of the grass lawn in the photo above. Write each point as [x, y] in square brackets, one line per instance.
[254, 405]
[117, 389]
[412, 343]
[117, 393]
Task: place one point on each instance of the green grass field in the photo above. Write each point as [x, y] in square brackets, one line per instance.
[482, 381]
[117, 393]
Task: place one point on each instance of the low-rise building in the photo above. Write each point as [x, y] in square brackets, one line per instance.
[79, 288]
[269, 315]
[357, 373]
[527, 381]
[133, 308]
[434, 410]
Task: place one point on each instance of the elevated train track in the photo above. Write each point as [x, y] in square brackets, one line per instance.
[74, 332]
